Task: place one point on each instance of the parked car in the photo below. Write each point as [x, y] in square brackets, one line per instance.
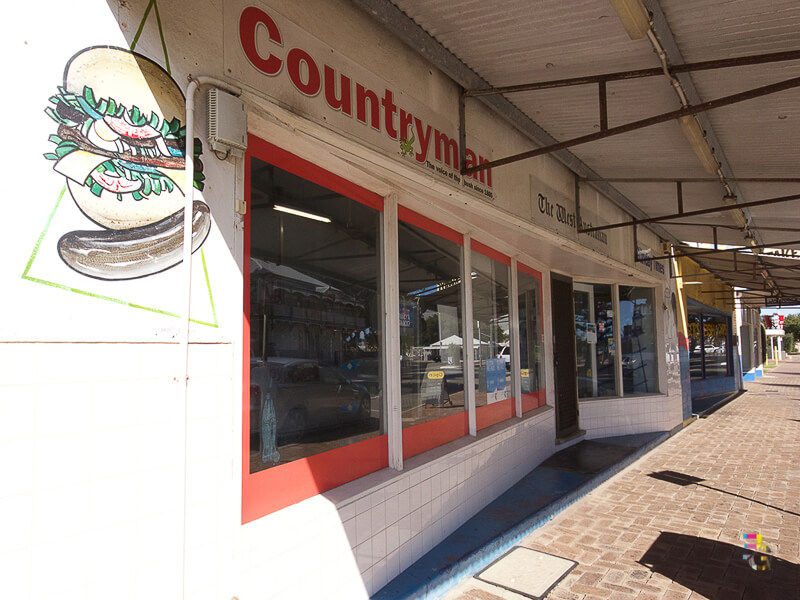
[505, 354]
[307, 396]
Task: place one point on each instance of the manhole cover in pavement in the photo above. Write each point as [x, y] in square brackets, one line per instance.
[527, 572]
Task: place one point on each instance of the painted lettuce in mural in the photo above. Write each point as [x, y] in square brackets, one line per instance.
[121, 145]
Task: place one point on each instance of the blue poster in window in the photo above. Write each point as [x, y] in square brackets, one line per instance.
[406, 316]
[495, 380]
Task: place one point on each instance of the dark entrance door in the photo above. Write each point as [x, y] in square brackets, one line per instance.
[564, 356]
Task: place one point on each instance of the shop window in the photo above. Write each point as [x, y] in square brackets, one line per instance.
[595, 350]
[709, 346]
[431, 348]
[695, 346]
[531, 347]
[314, 417]
[490, 277]
[747, 347]
[715, 346]
[638, 339]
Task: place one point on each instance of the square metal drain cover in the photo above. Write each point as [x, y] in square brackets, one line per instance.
[527, 572]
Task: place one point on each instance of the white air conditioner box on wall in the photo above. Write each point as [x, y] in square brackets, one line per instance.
[227, 122]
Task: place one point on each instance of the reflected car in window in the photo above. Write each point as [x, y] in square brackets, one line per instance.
[505, 354]
[306, 397]
[364, 372]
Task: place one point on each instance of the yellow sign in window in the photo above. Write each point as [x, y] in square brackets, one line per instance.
[435, 374]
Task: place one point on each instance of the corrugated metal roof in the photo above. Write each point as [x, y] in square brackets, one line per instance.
[520, 41]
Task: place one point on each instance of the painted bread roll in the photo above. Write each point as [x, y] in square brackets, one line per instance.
[137, 252]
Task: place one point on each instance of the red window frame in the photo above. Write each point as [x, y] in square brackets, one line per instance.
[490, 414]
[426, 436]
[271, 490]
[537, 398]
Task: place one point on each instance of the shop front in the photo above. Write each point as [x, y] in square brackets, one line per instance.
[365, 348]
[750, 343]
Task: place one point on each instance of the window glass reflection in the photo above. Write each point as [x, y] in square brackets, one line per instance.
[432, 369]
[491, 351]
[315, 374]
[695, 347]
[531, 350]
[708, 345]
[594, 340]
[715, 345]
[638, 329]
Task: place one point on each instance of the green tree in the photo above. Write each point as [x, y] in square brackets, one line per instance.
[791, 325]
[788, 342]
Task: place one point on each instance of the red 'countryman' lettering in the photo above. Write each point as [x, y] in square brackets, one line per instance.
[249, 23]
[344, 102]
[471, 160]
[381, 113]
[294, 59]
[362, 96]
[389, 111]
[405, 123]
[424, 140]
[443, 143]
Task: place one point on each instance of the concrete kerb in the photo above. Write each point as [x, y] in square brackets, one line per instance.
[444, 581]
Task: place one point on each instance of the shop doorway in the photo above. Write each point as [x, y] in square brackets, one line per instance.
[564, 356]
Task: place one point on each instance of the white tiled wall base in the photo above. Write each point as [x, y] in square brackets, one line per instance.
[361, 535]
[625, 416]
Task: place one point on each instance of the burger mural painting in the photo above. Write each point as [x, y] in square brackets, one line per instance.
[121, 146]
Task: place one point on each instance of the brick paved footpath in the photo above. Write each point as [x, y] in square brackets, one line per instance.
[639, 537]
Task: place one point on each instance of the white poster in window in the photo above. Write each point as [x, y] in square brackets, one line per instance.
[591, 333]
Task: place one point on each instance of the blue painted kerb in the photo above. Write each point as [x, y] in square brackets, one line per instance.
[426, 579]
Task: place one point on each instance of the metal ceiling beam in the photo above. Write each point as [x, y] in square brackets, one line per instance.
[702, 252]
[723, 250]
[693, 213]
[404, 28]
[740, 61]
[696, 180]
[691, 109]
[674, 56]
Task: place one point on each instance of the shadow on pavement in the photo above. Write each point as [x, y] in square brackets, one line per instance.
[683, 480]
[718, 571]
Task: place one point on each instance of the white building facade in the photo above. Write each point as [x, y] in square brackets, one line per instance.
[365, 347]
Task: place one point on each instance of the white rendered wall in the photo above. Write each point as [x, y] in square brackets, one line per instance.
[92, 497]
[92, 500]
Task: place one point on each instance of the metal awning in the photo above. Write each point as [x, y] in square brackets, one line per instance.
[577, 77]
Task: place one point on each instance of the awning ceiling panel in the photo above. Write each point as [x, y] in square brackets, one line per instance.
[518, 41]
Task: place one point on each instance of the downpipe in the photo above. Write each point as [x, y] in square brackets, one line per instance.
[183, 345]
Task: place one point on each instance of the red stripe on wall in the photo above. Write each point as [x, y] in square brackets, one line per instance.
[414, 218]
[533, 400]
[292, 163]
[490, 252]
[276, 488]
[682, 341]
[425, 436]
[488, 415]
[529, 271]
